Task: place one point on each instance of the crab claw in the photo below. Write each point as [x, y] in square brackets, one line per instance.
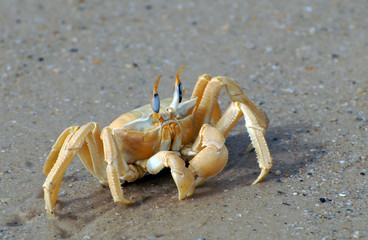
[185, 182]
[183, 177]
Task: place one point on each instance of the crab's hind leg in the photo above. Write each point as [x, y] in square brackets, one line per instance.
[255, 131]
[72, 141]
[52, 157]
[256, 122]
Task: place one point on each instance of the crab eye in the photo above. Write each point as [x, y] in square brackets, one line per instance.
[155, 102]
[155, 99]
[180, 92]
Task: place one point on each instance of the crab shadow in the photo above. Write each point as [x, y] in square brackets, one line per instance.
[289, 150]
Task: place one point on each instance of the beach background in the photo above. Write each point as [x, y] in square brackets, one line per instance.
[305, 63]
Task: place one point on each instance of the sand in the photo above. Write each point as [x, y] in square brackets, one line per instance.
[66, 63]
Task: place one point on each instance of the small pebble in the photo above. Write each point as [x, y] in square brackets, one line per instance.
[225, 27]
[5, 200]
[131, 65]
[308, 9]
[356, 234]
[312, 30]
[361, 91]
[334, 55]
[250, 45]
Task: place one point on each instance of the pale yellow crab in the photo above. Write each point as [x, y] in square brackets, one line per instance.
[158, 135]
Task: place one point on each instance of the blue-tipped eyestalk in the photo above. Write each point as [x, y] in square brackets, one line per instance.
[155, 100]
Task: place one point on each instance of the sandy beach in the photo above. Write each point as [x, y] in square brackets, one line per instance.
[305, 63]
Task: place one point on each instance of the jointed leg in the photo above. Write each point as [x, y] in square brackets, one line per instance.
[117, 169]
[255, 131]
[86, 142]
[256, 119]
[206, 104]
[52, 157]
[211, 91]
[201, 84]
[198, 90]
[63, 152]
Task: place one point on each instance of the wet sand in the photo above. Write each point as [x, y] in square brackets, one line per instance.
[304, 63]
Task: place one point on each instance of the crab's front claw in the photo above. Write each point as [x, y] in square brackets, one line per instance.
[208, 162]
[185, 183]
[183, 177]
[211, 155]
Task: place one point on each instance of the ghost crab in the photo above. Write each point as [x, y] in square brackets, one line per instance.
[160, 135]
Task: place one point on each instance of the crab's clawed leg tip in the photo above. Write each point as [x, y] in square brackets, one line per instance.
[261, 176]
[48, 204]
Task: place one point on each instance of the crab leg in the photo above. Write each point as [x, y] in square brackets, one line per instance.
[52, 157]
[70, 142]
[55, 174]
[199, 87]
[236, 95]
[255, 130]
[198, 90]
[207, 103]
[256, 119]
[117, 169]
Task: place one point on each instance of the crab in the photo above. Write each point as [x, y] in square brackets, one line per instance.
[186, 135]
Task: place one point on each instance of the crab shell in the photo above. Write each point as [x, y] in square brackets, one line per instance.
[139, 136]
